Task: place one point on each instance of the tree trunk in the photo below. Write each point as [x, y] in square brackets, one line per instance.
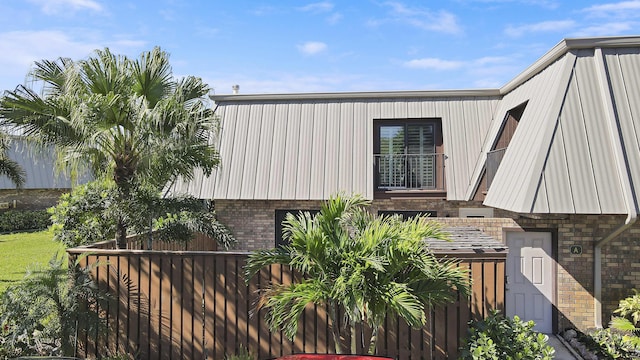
[335, 330]
[373, 340]
[121, 234]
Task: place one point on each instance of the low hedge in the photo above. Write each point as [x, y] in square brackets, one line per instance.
[24, 220]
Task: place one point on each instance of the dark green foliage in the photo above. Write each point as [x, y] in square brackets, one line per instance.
[23, 220]
[38, 316]
[78, 218]
[90, 212]
[499, 337]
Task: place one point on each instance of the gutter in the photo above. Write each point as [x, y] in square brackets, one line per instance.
[624, 176]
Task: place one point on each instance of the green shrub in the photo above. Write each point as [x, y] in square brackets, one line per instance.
[607, 344]
[40, 314]
[499, 337]
[24, 220]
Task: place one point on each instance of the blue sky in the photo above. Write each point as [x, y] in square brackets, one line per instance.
[312, 46]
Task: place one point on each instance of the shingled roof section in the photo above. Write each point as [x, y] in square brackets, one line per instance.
[467, 240]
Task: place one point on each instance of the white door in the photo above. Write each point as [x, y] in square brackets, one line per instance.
[529, 288]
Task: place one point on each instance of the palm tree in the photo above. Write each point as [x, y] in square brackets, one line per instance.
[364, 265]
[9, 167]
[129, 120]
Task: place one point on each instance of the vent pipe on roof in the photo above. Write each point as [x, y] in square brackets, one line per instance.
[236, 89]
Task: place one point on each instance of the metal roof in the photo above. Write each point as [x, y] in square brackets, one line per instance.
[308, 149]
[563, 160]
[39, 165]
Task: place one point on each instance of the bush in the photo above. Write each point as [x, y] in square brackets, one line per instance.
[38, 315]
[23, 220]
[500, 337]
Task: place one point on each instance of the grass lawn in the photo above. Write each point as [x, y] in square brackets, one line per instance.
[21, 251]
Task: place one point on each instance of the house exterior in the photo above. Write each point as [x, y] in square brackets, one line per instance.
[548, 165]
[44, 184]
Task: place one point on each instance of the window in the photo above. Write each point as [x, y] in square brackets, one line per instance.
[408, 155]
[281, 215]
[509, 125]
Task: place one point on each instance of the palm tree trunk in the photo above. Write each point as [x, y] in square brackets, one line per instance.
[373, 340]
[121, 234]
[353, 338]
[335, 329]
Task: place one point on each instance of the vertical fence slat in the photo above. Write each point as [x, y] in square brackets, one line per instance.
[198, 321]
[500, 285]
[489, 287]
[220, 308]
[210, 311]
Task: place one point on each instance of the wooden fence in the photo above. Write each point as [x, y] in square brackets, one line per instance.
[195, 305]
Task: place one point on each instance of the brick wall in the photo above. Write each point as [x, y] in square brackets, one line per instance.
[253, 224]
[31, 199]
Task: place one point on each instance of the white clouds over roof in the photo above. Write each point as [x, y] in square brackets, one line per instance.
[422, 18]
[60, 6]
[312, 47]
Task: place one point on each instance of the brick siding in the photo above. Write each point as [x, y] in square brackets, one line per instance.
[31, 199]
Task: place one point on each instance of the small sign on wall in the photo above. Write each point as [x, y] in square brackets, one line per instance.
[576, 249]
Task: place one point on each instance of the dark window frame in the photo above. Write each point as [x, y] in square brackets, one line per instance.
[280, 216]
[440, 184]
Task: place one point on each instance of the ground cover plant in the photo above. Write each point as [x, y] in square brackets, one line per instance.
[20, 251]
[40, 314]
[503, 338]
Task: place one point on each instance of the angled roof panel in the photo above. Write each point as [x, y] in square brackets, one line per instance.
[623, 67]
[527, 151]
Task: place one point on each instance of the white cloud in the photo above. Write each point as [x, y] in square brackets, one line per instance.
[62, 6]
[608, 29]
[425, 19]
[20, 49]
[623, 8]
[544, 26]
[323, 6]
[334, 18]
[312, 47]
[434, 63]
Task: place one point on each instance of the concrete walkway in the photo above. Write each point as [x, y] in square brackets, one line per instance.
[562, 353]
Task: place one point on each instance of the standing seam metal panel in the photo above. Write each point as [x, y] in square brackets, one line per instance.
[624, 69]
[607, 186]
[228, 128]
[292, 152]
[251, 157]
[281, 128]
[318, 159]
[265, 146]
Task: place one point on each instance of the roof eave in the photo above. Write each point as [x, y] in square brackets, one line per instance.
[358, 95]
[562, 48]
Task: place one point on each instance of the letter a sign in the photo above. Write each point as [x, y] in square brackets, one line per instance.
[576, 249]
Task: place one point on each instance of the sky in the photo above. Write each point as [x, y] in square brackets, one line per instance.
[291, 46]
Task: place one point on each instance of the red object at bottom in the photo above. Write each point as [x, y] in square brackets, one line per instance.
[331, 357]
